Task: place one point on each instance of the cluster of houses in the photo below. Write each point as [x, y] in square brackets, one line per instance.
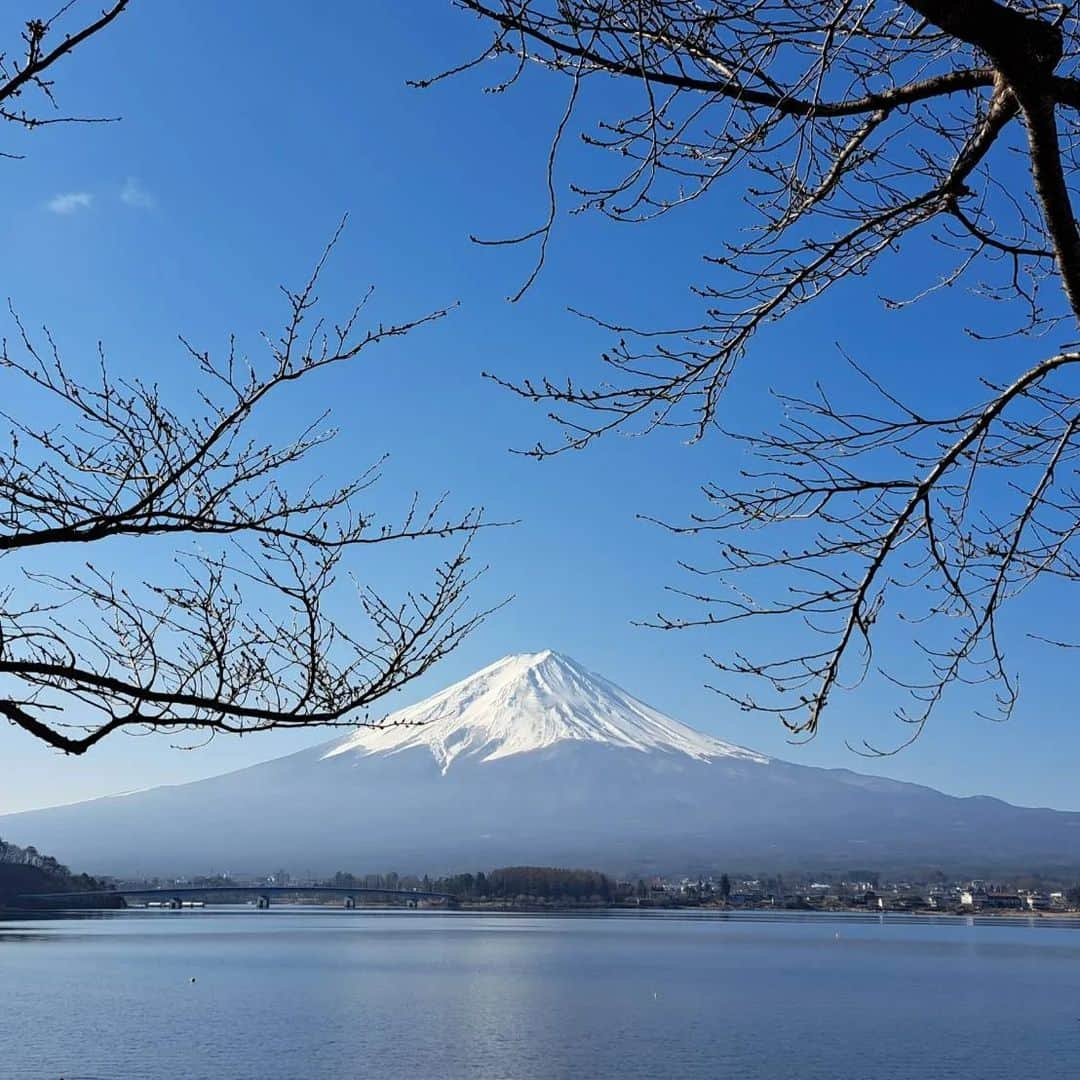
[869, 895]
[978, 898]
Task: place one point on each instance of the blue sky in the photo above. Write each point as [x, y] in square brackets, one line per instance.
[247, 131]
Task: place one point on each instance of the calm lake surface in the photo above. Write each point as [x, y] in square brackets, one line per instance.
[308, 992]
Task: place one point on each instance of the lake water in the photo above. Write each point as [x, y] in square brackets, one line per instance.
[306, 992]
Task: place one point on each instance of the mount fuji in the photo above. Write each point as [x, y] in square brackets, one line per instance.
[536, 760]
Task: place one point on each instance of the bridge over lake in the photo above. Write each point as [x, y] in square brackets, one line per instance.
[174, 896]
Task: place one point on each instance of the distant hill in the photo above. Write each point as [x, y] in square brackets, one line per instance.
[536, 760]
[25, 870]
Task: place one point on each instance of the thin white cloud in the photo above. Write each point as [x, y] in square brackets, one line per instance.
[70, 202]
[134, 194]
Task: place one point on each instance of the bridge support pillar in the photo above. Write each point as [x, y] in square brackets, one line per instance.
[176, 903]
[350, 902]
[262, 902]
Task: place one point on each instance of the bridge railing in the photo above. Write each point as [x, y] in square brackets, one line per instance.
[197, 891]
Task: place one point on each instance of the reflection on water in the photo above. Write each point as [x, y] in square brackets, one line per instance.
[306, 992]
[16, 935]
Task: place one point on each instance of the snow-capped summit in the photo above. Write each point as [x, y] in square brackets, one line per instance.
[528, 702]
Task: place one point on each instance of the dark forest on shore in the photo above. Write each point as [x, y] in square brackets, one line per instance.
[25, 870]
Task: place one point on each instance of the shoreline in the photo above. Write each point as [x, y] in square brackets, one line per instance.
[7, 914]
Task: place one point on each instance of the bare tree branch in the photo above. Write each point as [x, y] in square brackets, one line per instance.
[29, 68]
[249, 636]
[845, 128]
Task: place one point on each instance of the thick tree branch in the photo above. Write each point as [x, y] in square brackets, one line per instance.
[514, 17]
[828, 136]
[32, 70]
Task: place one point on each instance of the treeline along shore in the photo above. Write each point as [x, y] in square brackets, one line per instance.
[25, 871]
[29, 879]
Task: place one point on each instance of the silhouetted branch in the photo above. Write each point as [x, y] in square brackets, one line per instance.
[27, 69]
[844, 130]
[245, 639]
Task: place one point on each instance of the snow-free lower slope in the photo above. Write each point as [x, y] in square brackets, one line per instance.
[529, 702]
[535, 760]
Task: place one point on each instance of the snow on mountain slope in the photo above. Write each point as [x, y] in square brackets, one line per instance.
[535, 760]
[529, 702]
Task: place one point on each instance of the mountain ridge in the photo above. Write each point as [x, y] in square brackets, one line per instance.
[533, 759]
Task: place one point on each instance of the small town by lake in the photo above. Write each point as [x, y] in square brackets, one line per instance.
[313, 992]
